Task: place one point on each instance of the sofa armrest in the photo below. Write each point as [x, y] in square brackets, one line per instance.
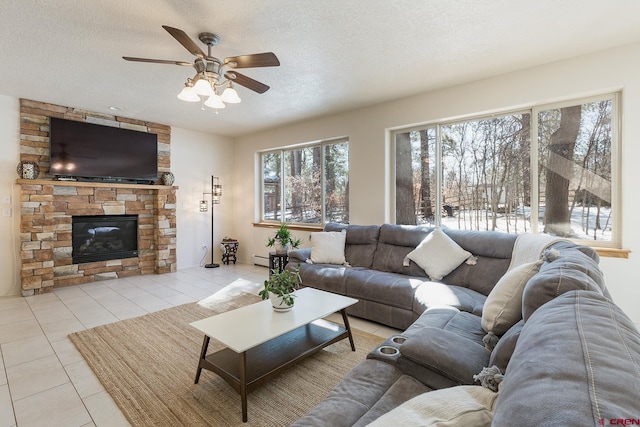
[299, 255]
[446, 353]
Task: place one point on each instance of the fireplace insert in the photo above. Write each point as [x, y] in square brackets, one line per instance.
[104, 237]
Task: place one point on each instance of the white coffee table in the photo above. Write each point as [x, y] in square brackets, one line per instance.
[262, 342]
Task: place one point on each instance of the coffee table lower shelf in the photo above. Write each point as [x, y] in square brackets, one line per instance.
[248, 370]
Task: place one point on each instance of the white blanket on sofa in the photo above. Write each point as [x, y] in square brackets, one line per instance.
[448, 407]
[529, 247]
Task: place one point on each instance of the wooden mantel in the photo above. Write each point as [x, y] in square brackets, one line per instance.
[90, 184]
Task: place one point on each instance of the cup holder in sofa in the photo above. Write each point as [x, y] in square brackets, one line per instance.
[398, 339]
[388, 350]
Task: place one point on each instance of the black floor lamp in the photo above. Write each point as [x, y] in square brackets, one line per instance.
[216, 193]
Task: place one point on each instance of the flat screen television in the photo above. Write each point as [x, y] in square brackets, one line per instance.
[87, 151]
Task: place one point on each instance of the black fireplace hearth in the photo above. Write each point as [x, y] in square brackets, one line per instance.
[104, 237]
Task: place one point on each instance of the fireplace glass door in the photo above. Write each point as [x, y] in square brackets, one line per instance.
[104, 237]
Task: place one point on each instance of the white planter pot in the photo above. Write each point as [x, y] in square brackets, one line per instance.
[278, 303]
[280, 248]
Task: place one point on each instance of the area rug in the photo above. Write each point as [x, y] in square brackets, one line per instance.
[148, 364]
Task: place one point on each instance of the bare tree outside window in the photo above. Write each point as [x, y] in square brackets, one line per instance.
[336, 189]
[575, 170]
[484, 164]
[484, 177]
[415, 191]
[314, 184]
[271, 185]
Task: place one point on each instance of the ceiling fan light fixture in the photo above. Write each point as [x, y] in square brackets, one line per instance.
[203, 87]
[188, 94]
[210, 72]
[230, 96]
[215, 101]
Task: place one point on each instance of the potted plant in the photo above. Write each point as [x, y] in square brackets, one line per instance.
[282, 240]
[280, 288]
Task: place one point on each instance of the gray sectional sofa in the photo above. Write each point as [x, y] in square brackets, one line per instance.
[567, 356]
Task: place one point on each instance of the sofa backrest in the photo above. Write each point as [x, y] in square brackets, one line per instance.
[576, 363]
[395, 242]
[493, 251]
[573, 267]
[385, 248]
[361, 242]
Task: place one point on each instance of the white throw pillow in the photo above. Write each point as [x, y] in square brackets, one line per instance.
[327, 247]
[438, 255]
[454, 406]
[503, 307]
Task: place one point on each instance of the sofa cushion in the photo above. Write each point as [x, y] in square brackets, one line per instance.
[371, 385]
[431, 348]
[502, 352]
[438, 255]
[454, 406]
[381, 312]
[400, 391]
[492, 251]
[361, 242]
[464, 324]
[326, 277]
[571, 270]
[327, 247]
[503, 307]
[396, 290]
[297, 256]
[436, 294]
[395, 242]
[577, 361]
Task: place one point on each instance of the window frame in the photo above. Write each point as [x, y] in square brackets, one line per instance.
[282, 196]
[533, 110]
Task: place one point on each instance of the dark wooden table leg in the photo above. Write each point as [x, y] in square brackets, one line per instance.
[345, 319]
[243, 384]
[203, 354]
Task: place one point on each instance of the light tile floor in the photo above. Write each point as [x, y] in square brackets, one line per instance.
[43, 379]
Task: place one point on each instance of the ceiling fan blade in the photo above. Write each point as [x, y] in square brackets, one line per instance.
[266, 59]
[185, 41]
[157, 61]
[247, 82]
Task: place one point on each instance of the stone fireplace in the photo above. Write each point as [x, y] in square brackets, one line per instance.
[48, 207]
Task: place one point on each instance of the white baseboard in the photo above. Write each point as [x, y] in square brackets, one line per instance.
[261, 260]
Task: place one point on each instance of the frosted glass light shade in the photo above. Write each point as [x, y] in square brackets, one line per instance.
[203, 87]
[230, 96]
[188, 94]
[214, 101]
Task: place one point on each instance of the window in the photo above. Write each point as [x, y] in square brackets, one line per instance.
[491, 173]
[310, 181]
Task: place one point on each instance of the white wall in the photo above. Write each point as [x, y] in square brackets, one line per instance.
[367, 131]
[195, 157]
[9, 226]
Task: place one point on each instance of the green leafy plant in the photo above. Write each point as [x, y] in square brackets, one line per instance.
[283, 236]
[282, 284]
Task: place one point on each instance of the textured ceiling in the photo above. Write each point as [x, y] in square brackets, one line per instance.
[335, 55]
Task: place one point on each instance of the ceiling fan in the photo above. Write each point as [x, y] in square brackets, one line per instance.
[213, 73]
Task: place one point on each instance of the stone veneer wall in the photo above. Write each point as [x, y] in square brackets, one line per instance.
[47, 207]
